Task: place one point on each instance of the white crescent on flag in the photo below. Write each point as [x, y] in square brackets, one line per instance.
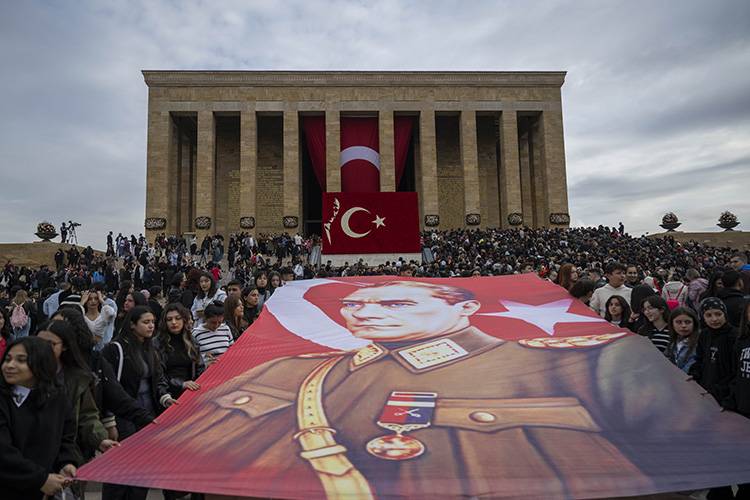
[360, 153]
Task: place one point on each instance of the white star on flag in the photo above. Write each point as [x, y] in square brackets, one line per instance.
[544, 316]
[379, 221]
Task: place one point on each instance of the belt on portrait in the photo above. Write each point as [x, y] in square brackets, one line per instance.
[328, 459]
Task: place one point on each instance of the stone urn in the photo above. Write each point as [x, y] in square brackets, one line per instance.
[728, 221]
[670, 222]
[45, 231]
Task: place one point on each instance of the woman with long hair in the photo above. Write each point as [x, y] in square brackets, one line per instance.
[250, 301]
[638, 294]
[84, 338]
[234, 315]
[617, 311]
[656, 328]
[715, 283]
[131, 300]
[98, 314]
[684, 332]
[261, 284]
[139, 371]
[74, 374]
[274, 282]
[20, 311]
[208, 292]
[567, 276]
[179, 354]
[34, 464]
[714, 368]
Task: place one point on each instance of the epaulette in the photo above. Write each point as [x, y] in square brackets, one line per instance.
[582, 341]
[326, 354]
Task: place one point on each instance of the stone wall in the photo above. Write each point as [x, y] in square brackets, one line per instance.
[227, 174]
[270, 178]
[449, 172]
[489, 187]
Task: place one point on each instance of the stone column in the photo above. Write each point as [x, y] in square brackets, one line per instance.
[538, 176]
[333, 149]
[470, 163]
[291, 179]
[428, 167]
[387, 151]
[553, 158]
[158, 148]
[186, 184]
[527, 195]
[510, 171]
[248, 167]
[205, 181]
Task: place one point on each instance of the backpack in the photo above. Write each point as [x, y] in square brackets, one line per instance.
[673, 303]
[18, 318]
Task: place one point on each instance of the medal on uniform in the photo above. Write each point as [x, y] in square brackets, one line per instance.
[403, 412]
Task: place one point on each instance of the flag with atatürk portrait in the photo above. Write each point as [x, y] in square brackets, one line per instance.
[390, 387]
[366, 223]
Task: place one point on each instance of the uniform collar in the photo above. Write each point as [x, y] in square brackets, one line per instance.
[426, 355]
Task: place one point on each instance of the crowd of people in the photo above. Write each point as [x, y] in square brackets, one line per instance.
[97, 345]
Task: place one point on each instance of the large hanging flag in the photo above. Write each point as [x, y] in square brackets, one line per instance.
[383, 387]
[367, 223]
[360, 157]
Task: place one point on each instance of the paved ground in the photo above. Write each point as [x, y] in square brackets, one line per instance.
[94, 492]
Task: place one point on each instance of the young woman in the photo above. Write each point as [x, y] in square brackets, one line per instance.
[179, 354]
[84, 339]
[715, 283]
[617, 311]
[34, 464]
[251, 300]
[138, 368]
[684, 332]
[131, 300]
[656, 312]
[567, 276]
[274, 282]
[713, 368]
[74, 375]
[98, 315]
[234, 315]
[5, 332]
[261, 283]
[208, 293]
[637, 296]
[20, 312]
[213, 337]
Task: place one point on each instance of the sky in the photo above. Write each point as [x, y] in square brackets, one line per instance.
[656, 103]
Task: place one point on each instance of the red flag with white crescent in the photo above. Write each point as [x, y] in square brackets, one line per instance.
[360, 155]
[365, 223]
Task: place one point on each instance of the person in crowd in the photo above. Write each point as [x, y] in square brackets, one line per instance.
[34, 464]
[733, 296]
[131, 300]
[739, 263]
[583, 290]
[5, 332]
[637, 296]
[99, 316]
[84, 338]
[261, 284]
[715, 283]
[274, 282]
[567, 276]
[234, 315]
[617, 311]
[21, 311]
[684, 332]
[739, 388]
[696, 287]
[674, 292]
[656, 328]
[52, 302]
[713, 368]
[208, 293]
[234, 287]
[179, 291]
[139, 371]
[213, 336]
[180, 356]
[615, 273]
[251, 300]
[632, 276]
[74, 374]
[153, 301]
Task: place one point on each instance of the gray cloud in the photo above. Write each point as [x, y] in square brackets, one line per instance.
[656, 103]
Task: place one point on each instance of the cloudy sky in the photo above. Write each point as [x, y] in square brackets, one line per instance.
[656, 101]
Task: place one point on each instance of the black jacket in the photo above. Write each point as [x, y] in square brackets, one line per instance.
[177, 364]
[713, 369]
[111, 398]
[735, 301]
[35, 440]
[130, 378]
[739, 389]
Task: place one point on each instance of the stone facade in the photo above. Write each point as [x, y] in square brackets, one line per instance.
[224, 147]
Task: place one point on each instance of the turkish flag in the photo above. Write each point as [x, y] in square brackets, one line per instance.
[360, 155]
[370, 223]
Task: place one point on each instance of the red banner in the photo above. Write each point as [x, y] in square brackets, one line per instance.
[315, 138]
[360, 157]
[365, 223]
[382, 387]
